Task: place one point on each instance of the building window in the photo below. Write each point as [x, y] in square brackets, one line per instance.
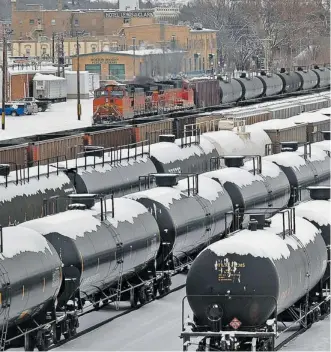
[94, 49]
[31, 21]
[76, 22]
[126, 20]
[53, 22]
[27, 51]
[43, 51]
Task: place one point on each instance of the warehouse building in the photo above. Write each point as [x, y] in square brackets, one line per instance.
[124, 65]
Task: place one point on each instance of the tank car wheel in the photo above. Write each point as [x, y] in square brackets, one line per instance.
[29, 342]
[142, 295]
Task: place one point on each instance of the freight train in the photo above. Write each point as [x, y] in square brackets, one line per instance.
[30, 193]
[127, 248]
[275, 270]
[117, 101]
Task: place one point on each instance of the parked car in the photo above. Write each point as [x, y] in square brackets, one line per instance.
[41, 105]
[15, 109]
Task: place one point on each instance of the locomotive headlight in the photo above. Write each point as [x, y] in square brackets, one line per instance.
[214, 312]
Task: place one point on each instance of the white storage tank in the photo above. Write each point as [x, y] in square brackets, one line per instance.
[49, 87]
[94, 81]
[72, 84]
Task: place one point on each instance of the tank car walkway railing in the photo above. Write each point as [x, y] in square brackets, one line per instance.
[35, 169]
[95, 155]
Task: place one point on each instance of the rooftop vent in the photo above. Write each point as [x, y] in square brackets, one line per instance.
[197, 26]
[92, 150]
[319, 192]
[326, 135]
[4, 170]
[234, 161]
[79, 201]
[260, 219]
[166, 180]
[167, 138]
[289, 146]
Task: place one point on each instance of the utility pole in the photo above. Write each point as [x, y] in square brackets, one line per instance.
[53, 47]
[134, 55]
[79, 107]
[4, 80]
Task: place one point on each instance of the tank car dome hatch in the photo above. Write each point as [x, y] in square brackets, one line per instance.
[167, 138]
[251, 264]
[247, 191]
[319, 192]
[166, 180]
[289, 146]
[186, 220]
[26, 199]
[116, 172]
[4, 170]
[26, 255]
[86, 243]
[276, 182]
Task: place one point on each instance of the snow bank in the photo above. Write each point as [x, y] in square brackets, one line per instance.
[18, 239]
[309, 117]
[266, 243]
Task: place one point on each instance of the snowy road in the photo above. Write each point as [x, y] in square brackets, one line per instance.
[61, 116]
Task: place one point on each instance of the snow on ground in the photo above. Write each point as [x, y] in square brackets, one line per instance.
[60, 116]
[317, 338]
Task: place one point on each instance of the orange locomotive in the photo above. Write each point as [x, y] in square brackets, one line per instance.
[117, 101]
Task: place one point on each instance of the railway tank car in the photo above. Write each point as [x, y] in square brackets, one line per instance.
[100, 245]
[252, 87]
[291, 81]
[41, 190]
[323, 76]
[230, 90]
[237, 284]
[303, 168]
[272, 84]
[189, 213]
[308, 78]
[31, 277]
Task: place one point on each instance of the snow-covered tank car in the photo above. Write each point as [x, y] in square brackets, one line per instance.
[31, 193]
[97, 247]
[187, 220]
[191, 155]
[261, 265]
[32, 280]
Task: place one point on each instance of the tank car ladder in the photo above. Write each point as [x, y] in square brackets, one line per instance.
[119, 262]
[5, 305]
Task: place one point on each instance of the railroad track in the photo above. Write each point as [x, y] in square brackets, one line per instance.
[108, 320]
